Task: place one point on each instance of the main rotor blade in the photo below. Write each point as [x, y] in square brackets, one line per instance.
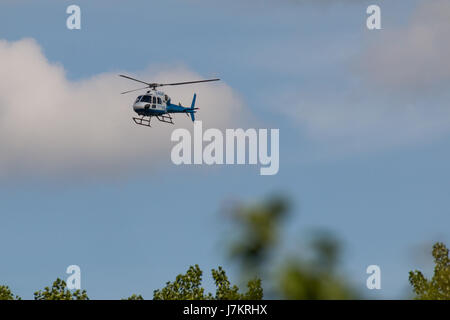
[134, 90]
[188, 82]
[127, 77]
[154, 85]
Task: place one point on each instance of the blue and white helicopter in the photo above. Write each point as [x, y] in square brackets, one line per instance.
[158, 104]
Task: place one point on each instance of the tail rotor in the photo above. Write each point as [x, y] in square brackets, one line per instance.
[193, 108]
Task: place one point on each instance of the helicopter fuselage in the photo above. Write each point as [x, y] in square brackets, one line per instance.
[157, 104]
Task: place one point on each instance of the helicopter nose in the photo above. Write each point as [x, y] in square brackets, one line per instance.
[137, 108]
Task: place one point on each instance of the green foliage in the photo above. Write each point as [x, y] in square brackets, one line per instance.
[438, 288]
[188, 287]
[185, 287]
[58, 291]
[259, 225]
[296, 277]
[225, 291]
[300, 281]
[134, 297]
[6, 294]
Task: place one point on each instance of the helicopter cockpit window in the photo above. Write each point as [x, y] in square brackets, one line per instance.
[138, 98]
[154, 99]
[159, 101]
[146, 99]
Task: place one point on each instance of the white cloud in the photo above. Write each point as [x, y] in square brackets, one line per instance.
[361, 121]
[403, 98]
[52, 126]
[415, 57]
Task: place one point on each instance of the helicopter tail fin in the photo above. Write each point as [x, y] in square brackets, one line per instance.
[193, 101]
[193, 107]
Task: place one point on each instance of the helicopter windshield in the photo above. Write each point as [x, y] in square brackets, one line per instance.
[138, 98]
[146, 99]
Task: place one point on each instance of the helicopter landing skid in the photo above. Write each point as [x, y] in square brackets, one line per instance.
[145, 121]
[167, 118]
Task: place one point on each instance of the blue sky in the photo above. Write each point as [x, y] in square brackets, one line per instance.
[363, 159]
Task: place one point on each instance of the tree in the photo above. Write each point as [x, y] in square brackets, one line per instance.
[59, 291]
[188, 287]
[225, 291]
[298, 280]
[134, 297]
[315, 276]
[260, 228]
[6, 294]
[438, 288]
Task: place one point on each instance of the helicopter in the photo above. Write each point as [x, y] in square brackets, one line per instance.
[157, 104]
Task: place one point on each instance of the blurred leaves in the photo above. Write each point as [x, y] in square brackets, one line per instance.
[295, 277]
[309, 274]
[300, 281]
[260, 227]
[326, 249]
